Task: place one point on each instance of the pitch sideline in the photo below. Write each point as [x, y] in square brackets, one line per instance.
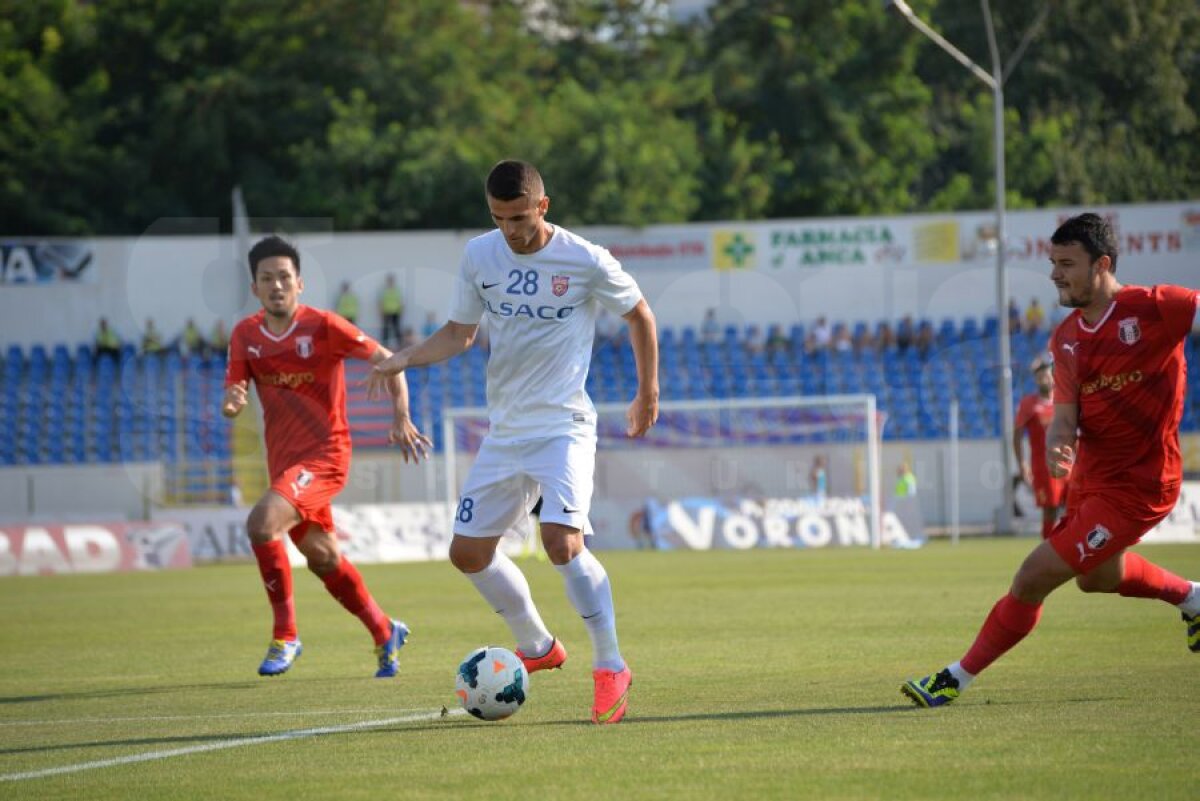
[224, 744]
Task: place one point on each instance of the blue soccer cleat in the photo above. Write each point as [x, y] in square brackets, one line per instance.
[280, 656]
[936, 690]
[389, 652]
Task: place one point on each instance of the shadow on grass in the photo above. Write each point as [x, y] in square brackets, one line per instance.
[121, 692]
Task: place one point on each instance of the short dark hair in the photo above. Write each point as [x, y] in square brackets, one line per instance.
[511, 179]
[270, 247]
[1092, 232]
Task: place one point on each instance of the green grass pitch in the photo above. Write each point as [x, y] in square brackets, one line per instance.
[759, 675]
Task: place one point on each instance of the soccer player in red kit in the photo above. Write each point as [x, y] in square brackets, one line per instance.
[1034, 415]
[294, 355]
[1118, 399]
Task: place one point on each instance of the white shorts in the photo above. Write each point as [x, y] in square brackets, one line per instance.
[507, 478]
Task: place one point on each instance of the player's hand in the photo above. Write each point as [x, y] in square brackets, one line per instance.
[642, 414]
[377, 379]
[1060, 459]
[235, 399]
[1026, 473]
[414, 446]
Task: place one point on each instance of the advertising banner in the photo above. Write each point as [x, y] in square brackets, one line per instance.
[367, 533]
[31, 263]
[1183, 524]
[34, 550]
[709, 523]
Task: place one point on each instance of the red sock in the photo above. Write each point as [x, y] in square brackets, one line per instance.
[1008, 623]
[277, 579]
[345, 584]
[1142, 579]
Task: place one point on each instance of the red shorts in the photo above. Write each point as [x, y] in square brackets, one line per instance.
[1048, 491]
[1100, 524]
[310, 487]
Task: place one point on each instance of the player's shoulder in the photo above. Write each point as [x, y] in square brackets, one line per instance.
[248, 325]
[580, 248]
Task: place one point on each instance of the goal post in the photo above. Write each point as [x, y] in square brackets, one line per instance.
[744, 450]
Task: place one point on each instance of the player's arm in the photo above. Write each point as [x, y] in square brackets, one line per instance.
[1018, 446]
[1060, 439]
[445, 343]
[413, 444]
[237, 377]
[643, 337]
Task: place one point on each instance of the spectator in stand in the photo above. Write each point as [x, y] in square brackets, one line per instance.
[431, 325]
[841, 339]
[777, 340]
[1014, 316]
[191, 341]
[391, 306]
[924, 340]
[1035, 315]
[754, 342]
[152, 343]
[863, 341]
[822, 334]
[107, 341]
[218, 340]
[887, 338]
[906, 334]
[346, 304]
[710, 330]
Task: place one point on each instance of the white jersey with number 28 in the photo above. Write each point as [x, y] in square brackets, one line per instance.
[541, 319]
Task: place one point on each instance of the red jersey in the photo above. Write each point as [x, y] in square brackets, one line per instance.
[1034, 415]
[301, 383]
[1128, 377]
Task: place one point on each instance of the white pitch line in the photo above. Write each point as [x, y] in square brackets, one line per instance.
[151, 718]
[223, 744]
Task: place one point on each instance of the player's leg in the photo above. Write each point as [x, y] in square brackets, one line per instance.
[318, 543]
[1010, 620]
[564, 467]
[268, 520]
[495, 499]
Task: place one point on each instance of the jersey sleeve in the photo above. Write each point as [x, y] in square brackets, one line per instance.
[614, 288]
[1177, 305]
[1066, 383]
[466, 306]
[237, 363]
[346, 340]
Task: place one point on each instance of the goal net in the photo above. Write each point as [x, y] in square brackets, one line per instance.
[723, 473]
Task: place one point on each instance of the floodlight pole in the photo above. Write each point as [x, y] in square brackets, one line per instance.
[995, 82]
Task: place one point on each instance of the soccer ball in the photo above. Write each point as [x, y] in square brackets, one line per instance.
[491, 683]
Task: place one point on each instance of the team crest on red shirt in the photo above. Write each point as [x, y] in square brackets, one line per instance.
[304, 347]
[559, 284]
[1129, 331]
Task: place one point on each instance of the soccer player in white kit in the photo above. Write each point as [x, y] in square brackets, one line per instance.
[540, 287]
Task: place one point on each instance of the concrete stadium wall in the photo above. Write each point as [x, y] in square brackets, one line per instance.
[124, 492]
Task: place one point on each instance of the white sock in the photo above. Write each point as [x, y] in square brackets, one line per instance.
[503, 585]
[591, 595]
[964, 678]
[1191, 604]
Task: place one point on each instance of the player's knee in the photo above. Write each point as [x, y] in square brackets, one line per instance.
[560, 550]
[322, 562]
[467, 557]
[258, 528]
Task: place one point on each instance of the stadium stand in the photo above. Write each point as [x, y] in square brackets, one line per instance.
[64, 407]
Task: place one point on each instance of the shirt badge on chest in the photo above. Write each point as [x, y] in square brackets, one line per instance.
[559, 284]
[1128, 330]
[304, 346]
